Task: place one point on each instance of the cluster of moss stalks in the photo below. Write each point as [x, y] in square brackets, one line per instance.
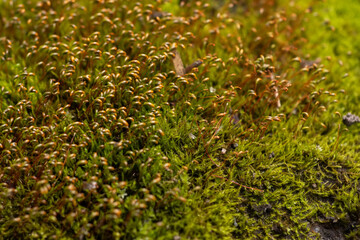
[102, 138]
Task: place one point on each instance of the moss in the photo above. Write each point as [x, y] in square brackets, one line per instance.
[101, 139]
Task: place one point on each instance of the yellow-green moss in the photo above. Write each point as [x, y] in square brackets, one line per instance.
[100, 139]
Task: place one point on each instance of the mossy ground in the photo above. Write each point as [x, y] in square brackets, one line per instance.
[101, 139]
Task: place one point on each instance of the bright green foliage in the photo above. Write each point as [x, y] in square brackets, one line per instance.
[101, 139]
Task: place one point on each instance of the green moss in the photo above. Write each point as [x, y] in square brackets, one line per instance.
[100, 139]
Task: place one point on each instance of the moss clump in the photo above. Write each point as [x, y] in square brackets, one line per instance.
[102, 137]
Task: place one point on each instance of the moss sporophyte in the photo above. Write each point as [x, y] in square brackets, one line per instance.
[179, 120]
